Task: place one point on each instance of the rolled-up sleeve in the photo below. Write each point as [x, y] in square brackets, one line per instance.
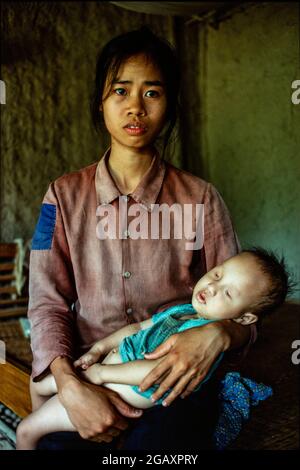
[51, 288]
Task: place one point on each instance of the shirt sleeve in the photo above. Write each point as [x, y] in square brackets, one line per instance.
[220, 239]
[220, 243]
[51, 288]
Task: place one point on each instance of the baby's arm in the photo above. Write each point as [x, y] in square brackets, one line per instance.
[103, 346]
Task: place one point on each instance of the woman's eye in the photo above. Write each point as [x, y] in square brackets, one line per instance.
[120, 91]
[152, 94]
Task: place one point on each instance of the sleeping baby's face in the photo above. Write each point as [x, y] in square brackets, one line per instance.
[229, 290]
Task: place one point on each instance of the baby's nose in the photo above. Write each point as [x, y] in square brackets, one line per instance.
[211, 290]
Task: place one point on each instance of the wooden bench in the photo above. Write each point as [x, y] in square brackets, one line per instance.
[14, 390]
[15, 373]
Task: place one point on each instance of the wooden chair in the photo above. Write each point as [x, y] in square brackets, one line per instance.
[12, 303]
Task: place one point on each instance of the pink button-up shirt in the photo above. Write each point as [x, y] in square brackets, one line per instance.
[83, 288]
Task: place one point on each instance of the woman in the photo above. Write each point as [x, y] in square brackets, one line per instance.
[85, 284]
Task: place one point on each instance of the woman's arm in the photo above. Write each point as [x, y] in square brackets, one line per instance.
[52, 292]
[235, 335]
[51, 288]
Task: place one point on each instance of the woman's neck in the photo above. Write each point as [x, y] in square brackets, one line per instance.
[127, 168]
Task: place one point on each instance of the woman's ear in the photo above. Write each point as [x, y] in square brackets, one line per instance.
[247, 318]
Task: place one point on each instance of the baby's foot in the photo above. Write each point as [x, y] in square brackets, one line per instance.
[94, 374]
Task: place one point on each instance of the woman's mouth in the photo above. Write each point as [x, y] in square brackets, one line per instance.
[200, 296]
[135, 129]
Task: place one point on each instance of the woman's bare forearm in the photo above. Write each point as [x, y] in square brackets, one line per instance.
[235, 335]
[63, 371]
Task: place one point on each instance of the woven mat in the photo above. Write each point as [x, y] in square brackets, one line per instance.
[8, 424]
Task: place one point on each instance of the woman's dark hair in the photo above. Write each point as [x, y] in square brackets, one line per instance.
[121, 48]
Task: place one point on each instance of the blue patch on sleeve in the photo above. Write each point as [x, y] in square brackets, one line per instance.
[43, 235]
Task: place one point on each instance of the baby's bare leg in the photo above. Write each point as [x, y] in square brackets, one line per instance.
[41, 391]
[50, 417]
[46, 386]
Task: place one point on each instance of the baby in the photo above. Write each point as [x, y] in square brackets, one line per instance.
[241, 289]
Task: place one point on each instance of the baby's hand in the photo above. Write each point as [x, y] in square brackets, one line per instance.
[87, 359]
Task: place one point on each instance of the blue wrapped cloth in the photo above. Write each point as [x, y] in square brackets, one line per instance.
[237, 395]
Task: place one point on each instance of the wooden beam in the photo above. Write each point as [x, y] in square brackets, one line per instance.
[7, 277]
[8, 290]
[12, 302]
[13, 312]
[7, 266]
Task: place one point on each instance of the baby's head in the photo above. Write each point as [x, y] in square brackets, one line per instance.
[252, 283]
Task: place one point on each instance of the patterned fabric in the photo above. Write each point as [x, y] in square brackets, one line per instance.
[44, 230]
[8, 425]
[237, 395]
[165, 324]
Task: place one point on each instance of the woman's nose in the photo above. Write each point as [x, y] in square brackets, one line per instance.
[136, 106]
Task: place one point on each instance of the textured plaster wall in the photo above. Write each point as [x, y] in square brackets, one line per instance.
[48, 57]
[250, 134]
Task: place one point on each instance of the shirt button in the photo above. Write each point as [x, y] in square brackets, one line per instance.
[125, 198]
[129, 310]
[127, 274]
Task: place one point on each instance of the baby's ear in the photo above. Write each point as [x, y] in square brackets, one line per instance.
[247, 318]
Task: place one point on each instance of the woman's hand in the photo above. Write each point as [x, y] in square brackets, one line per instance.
[188, 358]
[97, 413]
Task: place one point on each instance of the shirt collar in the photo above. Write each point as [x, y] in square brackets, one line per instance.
[146, 191]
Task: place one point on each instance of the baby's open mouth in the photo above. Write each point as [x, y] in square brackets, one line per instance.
[201, 297]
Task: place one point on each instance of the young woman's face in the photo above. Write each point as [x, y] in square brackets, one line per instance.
[134, 108]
